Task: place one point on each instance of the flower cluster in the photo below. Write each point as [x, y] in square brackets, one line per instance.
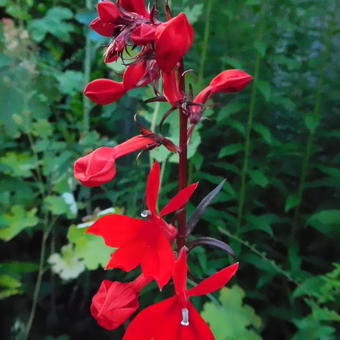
[147, 242]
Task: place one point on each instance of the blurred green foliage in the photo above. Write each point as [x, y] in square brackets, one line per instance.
[276, 143]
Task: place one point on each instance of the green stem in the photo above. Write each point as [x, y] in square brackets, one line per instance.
[87, 73]
[247, 143]
[311, 136]
[205, 42]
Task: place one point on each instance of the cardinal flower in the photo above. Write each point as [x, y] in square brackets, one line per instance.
[144, 242]
[176, 318]
[226, 81]
[173, 40]
[116, 301]
[136, 6]
[98, 167]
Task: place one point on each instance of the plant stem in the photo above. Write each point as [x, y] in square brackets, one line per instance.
[37, 284]
[205, 42]
[242, 197]
[183, 161]
[311, 136]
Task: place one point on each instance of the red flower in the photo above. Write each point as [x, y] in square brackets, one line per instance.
[176, 318]
[143, 34]
[144, 242]
[137, 6]
[98, 167]
[104, 91]
[115, 301]
[173, 40]
[171, 89]
[108, 13]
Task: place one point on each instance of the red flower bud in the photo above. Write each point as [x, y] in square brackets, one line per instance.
[173, 40]
[230, 81]
[171, 89]
[104, 91]
[98, 167]
[137, 6]
[102, 27]
[108, 11]
[143, 34]
[115, 301]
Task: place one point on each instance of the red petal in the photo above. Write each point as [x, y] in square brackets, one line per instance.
[203, 96]
[173, 40]
[179, 200]
[102, 28]
[108, 11]
[171, 89]
[143, 34]
[152, 188]
[133, 74]
[180, 272]
[104, 91]
[96, 168]
[117, 230]
[230, 81]
[214, 282]
[149, 322]
[158, 260]
[137, 6]
[131, 145]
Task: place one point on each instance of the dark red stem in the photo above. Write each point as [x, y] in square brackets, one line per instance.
[183, 161]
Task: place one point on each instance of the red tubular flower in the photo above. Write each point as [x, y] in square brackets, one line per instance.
[115, 301]
[137, 6]
[98, 167]
[176, 318]
[144, 242]
[143, 34]
[171, 89]
[173, 40]
[104, 91]
[139, 74]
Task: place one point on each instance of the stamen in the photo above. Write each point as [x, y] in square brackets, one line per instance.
[145, 213]
[185, 317]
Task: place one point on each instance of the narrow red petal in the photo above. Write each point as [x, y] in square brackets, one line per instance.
[173, 40]
[131, 145]
[102, 27]
[143, 34]
[104, 91]
[180, 273]
[214, 282]
[137, 6]
[108, 11]
[171, 89]
[116, 230]
[179, 200]
[152, 188]
[230, 81]
[133, 74]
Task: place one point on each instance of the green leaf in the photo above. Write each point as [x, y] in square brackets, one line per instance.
[264, 132]
[16, 220]
[230, 109]
[233, 320]
[42, 128]
[66, 264]
[264, 88]
[291, 202]
[193, 12]
[90, 248]
[260, 47]
[325, 221]
[71, 82]
[229, 150]
[61, 205]
[259, 178]
[312, 122]
[9, 286]
[19, 164]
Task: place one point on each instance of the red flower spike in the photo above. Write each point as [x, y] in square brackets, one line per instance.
[102, 27]
[104, 91]
[98, 167]
[137, 6]
[115, 301]
[176, 318]
[143, 34]
[108, 11]
[171, 89]
[173, 40]
[230, 81]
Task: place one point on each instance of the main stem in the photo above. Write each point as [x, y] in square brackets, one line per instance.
[183, 161]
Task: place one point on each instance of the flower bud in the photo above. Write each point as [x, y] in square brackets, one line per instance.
[230, 81]
[104, 91]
